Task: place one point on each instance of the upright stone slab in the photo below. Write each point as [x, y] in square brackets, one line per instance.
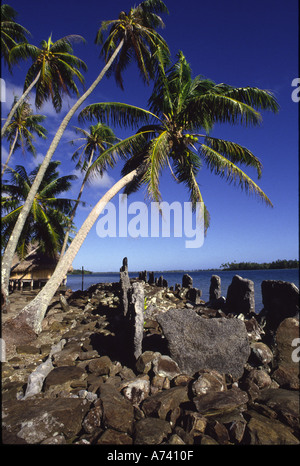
[125, 285]
[151, 280]
[215, 288]
[280, 300]
[240, 296]
[136, 317]
[187, 281]
[197, 343]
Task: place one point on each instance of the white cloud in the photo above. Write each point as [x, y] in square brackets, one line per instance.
[102, 182]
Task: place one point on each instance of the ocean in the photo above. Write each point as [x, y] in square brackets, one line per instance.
[201, 280]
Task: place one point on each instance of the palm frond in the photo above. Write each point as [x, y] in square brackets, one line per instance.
[227, 169]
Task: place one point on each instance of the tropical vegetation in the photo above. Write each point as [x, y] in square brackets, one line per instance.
[20, 132]
[278, 264]
[49, 216]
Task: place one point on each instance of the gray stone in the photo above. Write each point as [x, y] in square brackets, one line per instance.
[240, 296]
[117, 411]
[215, 288]
[287, 372]
[136, 316]
[197, 343]
[125, 285]
[151, 280]
[194, 295]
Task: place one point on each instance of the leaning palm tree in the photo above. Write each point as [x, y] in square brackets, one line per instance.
[49, 216]
[95, 141]
[20, 131]
[181, 103]
[12, 33]
[52, 72]
[129, 34]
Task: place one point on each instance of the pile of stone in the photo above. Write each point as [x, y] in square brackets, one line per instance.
[133, 363]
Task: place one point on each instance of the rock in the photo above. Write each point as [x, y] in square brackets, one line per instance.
[218, 431]
[144, 362]
[27, 349]
[64, 303]
[254, 330]
[143, 276]
[263, 431]
[215, 288]
[118, 412]
[151, 431]
[92, 420]
[151, 280]
[197, 343]
[194, 423]
[280, 300]
[220, 402]
[194, 295]
[208, 380]
[136, 317]
[35, 420]
[261, 353]
[260, 377]
[125, 285]
[162, 403]
[137, 390]
[287, 372]
[240, 296]
[113, 437]
[284, 402]
[237, 430]
[64, 374]
[100, 366]
[187, 281]
[166, 367]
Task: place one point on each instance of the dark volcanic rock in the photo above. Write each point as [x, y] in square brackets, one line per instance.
[151, 431]
[197, 343]
[240, 296]
[280, 300]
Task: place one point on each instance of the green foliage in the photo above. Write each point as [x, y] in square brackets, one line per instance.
[48, 217]
[279, 264]
[11, 33]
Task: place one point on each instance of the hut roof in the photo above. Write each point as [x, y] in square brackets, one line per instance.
[36, 261]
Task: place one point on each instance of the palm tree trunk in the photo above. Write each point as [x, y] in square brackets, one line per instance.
[18, 103]
[33, 314]
[14, 238]
[10, 153]
[75, 208]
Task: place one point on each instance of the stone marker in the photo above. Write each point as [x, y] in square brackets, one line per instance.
[136, 316]
[240, 296]
[125, 285]
[197, 343]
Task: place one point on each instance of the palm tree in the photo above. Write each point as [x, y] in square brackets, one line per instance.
[52, 72]
[147, 20]
[49, 216]
[182, 104]
[20, 131]
[95, 141]
[180, 107]
[11, 32]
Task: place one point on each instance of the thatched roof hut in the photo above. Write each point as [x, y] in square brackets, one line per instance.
[36, 267]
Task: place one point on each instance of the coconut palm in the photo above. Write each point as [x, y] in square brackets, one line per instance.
[95, 141]
[180, 107]
[20, 131]
[49, 216]
[11, 32]
[147, 20]
[52, 72]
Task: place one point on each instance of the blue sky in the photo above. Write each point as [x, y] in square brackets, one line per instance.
[249, 43]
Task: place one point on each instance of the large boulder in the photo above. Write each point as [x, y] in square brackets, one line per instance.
[197, 343]
[240, 296]
[280, 300]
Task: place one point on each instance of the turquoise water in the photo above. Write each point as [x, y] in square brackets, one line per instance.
[201, 280]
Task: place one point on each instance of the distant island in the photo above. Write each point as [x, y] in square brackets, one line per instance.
[279, 264]
[79, 272]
